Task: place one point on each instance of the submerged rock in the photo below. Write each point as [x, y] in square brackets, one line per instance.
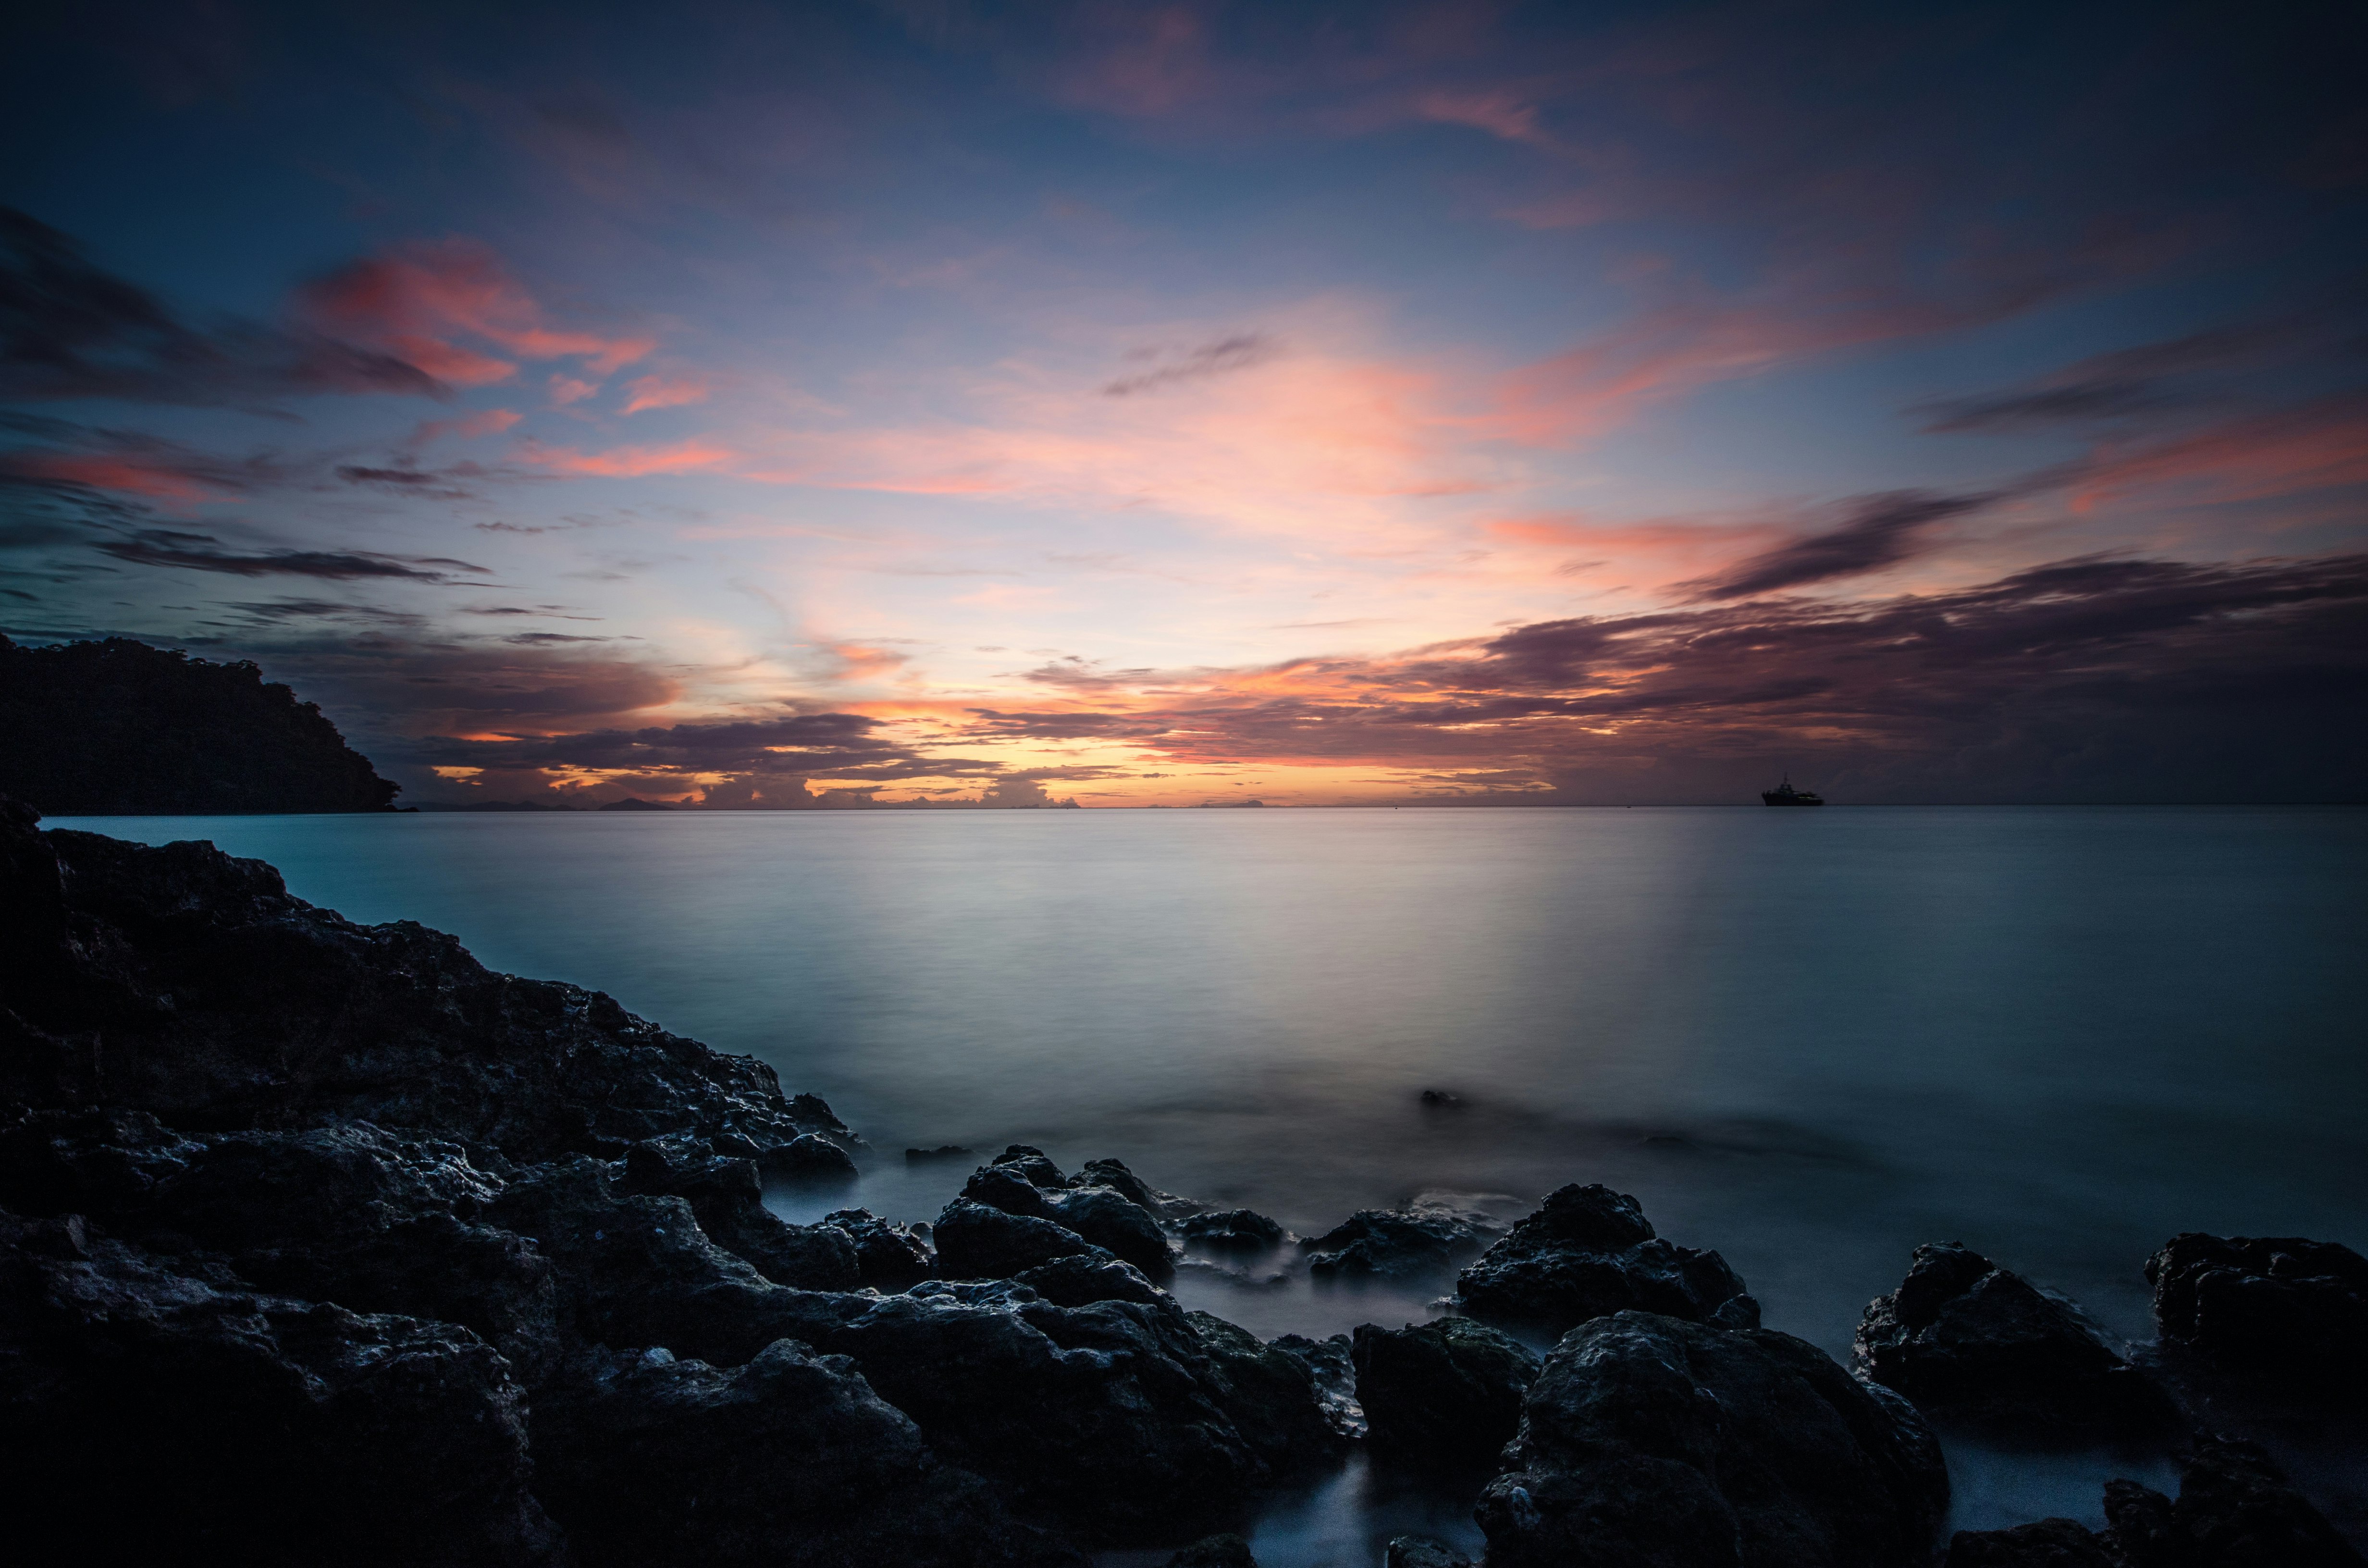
[1649, 1441]
[1399, 1244]
[809, 1159]
[1446, 1394]
[2283, 1308]
[1589, 1252]
[1233, 1229]
[1973, 1342]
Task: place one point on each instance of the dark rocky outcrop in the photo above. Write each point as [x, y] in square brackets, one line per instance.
[1422, 1552]
[1399, 1244]
[1118, 1226]
[2235, 1509]
[1233, 1229]
[1114, 1174]
[1332, 1363]
[887, 1258]
[1214, 1552]
[1446, 1394]
[788, 1459]
[1085, 1279]
[976, 1242]
[2290, 1312]
[728, 1198]
[1589, 1252]
[118, 726]
[1974, 1343]
[1649, 1440]
[1022, 1183]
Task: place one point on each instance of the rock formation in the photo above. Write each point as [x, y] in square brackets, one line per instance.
[1589, 1252]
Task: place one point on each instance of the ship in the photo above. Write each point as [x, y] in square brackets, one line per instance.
[1785, 795]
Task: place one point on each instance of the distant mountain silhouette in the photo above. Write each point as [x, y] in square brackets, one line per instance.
[635, 803]
[120, 727]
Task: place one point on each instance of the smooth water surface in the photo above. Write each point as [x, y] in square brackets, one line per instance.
[1811, 1040]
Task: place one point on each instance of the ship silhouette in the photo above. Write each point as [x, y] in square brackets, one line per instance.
[1785, 795]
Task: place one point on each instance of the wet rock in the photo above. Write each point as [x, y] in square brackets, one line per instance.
[1215, 1552]
[1649, 1440]
[2283, 1308]
[1443, 1099]
[727, 1196]
[179, 1416]
[1972, 1342]
[888, 1258]
[1445, 1395]
[1001, 1187]
[790, 1459]
[976, 1242]
[1589, 1252]
[809, 1160]
[944, 1152]
[2049, 1543]
[1083, 1279]
[1423, 1552]
[1030, 1165]
[1399, 1244]
[1332, 1364]
[1114, 1174]
[811, 1113]
[1117, 1225]
[1233, 1229]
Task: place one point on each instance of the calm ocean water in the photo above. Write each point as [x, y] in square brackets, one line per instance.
[1811, 1040]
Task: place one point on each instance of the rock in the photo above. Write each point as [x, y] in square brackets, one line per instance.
[811, 1113]
[1650, 1441]
[2142, 1527]
[224, 1002]
[1971, 1342]
[1332, 1364]
[1215, 1552]
[2283, 1308]
[888, 1258]
[1233, 1229]
[1443, 1099]
[1083, 1279]
[1114, 1174]
[728, 1199]
[1000, 1186]
[974, 1241]
[942, 1152]
[1117, 1225]
[1031, 1165]
[179, 1416]
[1444, 1394]
[1589, 1252]
[1399, 1244]
[1423, 1552]
[809, 1159]
[790, 1459]
[2049, 1543]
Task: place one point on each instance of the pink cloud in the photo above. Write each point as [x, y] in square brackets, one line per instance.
[2319, 446]
[124, 473]
[1499, 112]
[567, 388]
[696, 455]
[664, 391]
[485, 422]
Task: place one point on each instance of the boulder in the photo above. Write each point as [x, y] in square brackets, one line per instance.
[1214, 1552]
[1001, 1187]
[1233, 1229]
[180, 1417]
[2281, 1309]
[1589, 1252]
[1422, 1552]
[2049, 1543]
[1116, 1224]
[808, 1159]
[1332, 1363]
[728, 1199]
[1399, 1244]
[1651, 1440]
[1082, 1279]
[1114, 1174]
[888, 1258]
[790, 1459]
[974, 1241]
[1974, 1343]
[1444, 1394]
[1030, 1165]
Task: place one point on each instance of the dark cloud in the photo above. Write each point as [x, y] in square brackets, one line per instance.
[1238, 352]
[204, 552]
[319, 610]
[541, 639]
[1882, 530]
[69, 329]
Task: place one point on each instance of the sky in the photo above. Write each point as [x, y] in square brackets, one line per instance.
[869, 404]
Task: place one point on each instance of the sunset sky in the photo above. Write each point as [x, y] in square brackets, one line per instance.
[794, 405]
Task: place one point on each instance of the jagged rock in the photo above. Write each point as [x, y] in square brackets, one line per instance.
[224, 1002]
[2283, 1308]
[1233, 1229]
[942, 1152]
[1972, 1342]
[1331, 1362]
[1423, 1552]
[790, 1459]
[1117, 1225]
[180, 1417]
[1446, 1394]
[2049, 1543]
[809, 1159]
[888, 1258]
[1134, 1421]
[1215, 1552]
[728, 1198]
[1030, 1165]
[1083, 1279]
[974, 1241]
[1649, 1440]
[813, 1114]
[1114, 1174]
[1399, 1244]
[1589, 1252]
[1000, 1186]
[2142, 1527]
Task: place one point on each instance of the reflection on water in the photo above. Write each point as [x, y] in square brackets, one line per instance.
[1809, 1039]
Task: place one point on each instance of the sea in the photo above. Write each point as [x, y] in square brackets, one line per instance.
[1810, 1039]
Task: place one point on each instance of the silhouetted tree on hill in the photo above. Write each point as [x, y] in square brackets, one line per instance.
[98, 728]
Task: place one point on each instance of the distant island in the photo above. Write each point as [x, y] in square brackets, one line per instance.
[119, 728]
